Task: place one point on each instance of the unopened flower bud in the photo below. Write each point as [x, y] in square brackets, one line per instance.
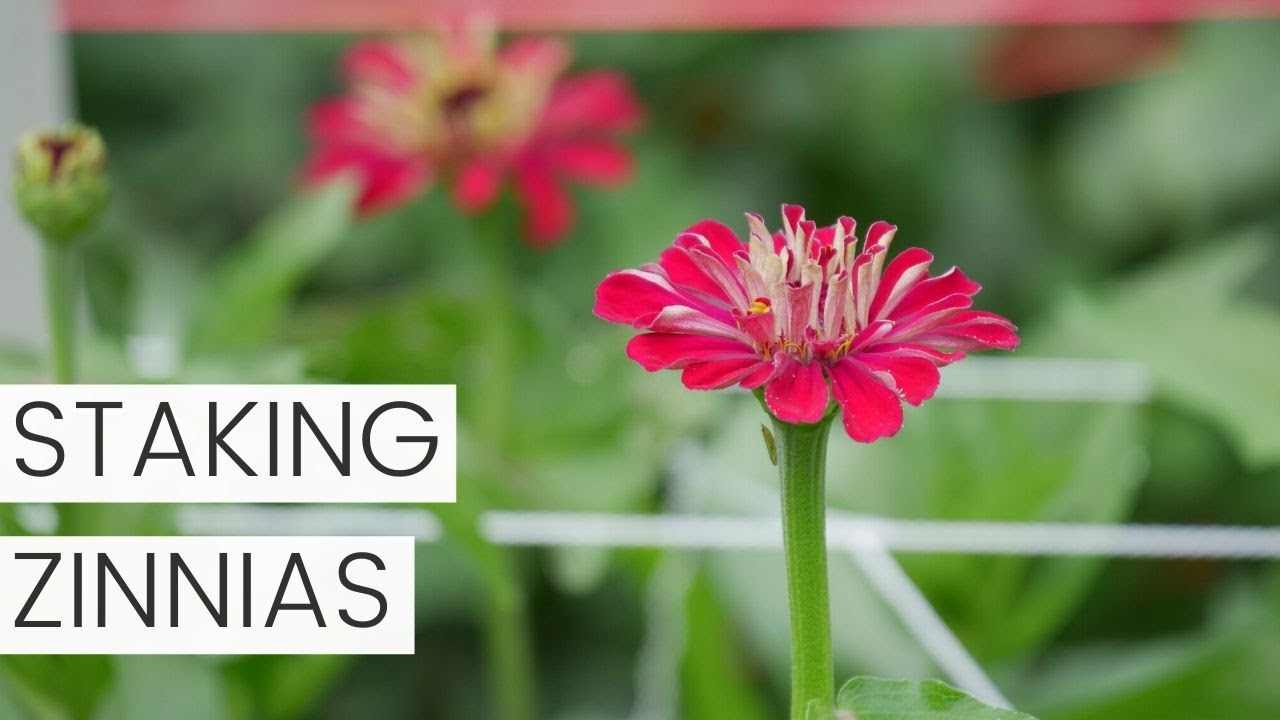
[61, 187]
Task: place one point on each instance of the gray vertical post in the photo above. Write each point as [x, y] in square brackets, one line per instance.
[33, 79]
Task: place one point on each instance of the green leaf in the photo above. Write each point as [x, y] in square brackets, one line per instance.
[1207, 353]
[250, 293]
[879, 699]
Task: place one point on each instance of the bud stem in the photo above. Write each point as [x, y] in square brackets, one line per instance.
[61, 268]
[802, 460]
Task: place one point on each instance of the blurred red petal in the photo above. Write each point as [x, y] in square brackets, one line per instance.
[477, 185]
[1034, 61]
[379, 63]
[540, 55]
[593, 161]
[386, 180]
[548, 207]
[335, 120]
[594, 101]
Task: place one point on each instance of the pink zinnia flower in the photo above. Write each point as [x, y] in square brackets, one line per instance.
[457, 107]
[790, 311]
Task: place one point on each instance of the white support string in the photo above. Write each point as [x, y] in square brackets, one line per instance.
[911, 606]
[868, 540]
[747, 533]
[1047, 379]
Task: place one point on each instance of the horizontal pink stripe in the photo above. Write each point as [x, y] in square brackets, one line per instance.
[539, 15]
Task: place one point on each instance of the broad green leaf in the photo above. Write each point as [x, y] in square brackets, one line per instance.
[878, 699]
[1207, 352]
[250, 294]
[1129, 171]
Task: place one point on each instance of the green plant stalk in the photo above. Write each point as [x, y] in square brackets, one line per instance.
[802, 460]
[61, 267]
[508, 642]
[506, 620]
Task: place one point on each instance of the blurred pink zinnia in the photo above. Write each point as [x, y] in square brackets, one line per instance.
[455, 105]
[787, 311]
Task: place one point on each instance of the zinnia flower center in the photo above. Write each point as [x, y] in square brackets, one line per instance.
[802, 288]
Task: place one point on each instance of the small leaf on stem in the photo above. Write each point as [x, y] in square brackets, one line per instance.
[770, 444]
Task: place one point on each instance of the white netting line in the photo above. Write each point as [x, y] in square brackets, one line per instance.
[1047, 379]
[746, 533]
[906, 600]
[868, 541]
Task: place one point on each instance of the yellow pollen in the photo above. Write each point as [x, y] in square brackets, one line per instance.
[840, 350]
[759, 307]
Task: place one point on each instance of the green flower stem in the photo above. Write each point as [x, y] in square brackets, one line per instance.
[61, 267]
[509, 644]
[802, 459]
[507, 632]
[498, 342]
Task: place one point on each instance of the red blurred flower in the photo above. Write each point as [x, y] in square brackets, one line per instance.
[456, 106]
[789, 310]
[1026, 62]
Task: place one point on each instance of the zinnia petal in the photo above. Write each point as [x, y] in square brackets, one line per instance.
[386, 180]
[951, 282]
[903, 273]
[659, 351]
[799, 393]
[691, 271]
[598, 101]
[916, 378]
[477, 185]
[870, 409]
[720, 374]
[627, 296]
[598, 162]
[379, 63]
[336, 121]
[547, 206]
[724, 242]
[542, 56]
[972, 330]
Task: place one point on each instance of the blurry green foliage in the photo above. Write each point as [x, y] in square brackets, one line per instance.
[1134, 221]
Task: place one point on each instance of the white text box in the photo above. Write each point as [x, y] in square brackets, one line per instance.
[256, 595]
[228, 443]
